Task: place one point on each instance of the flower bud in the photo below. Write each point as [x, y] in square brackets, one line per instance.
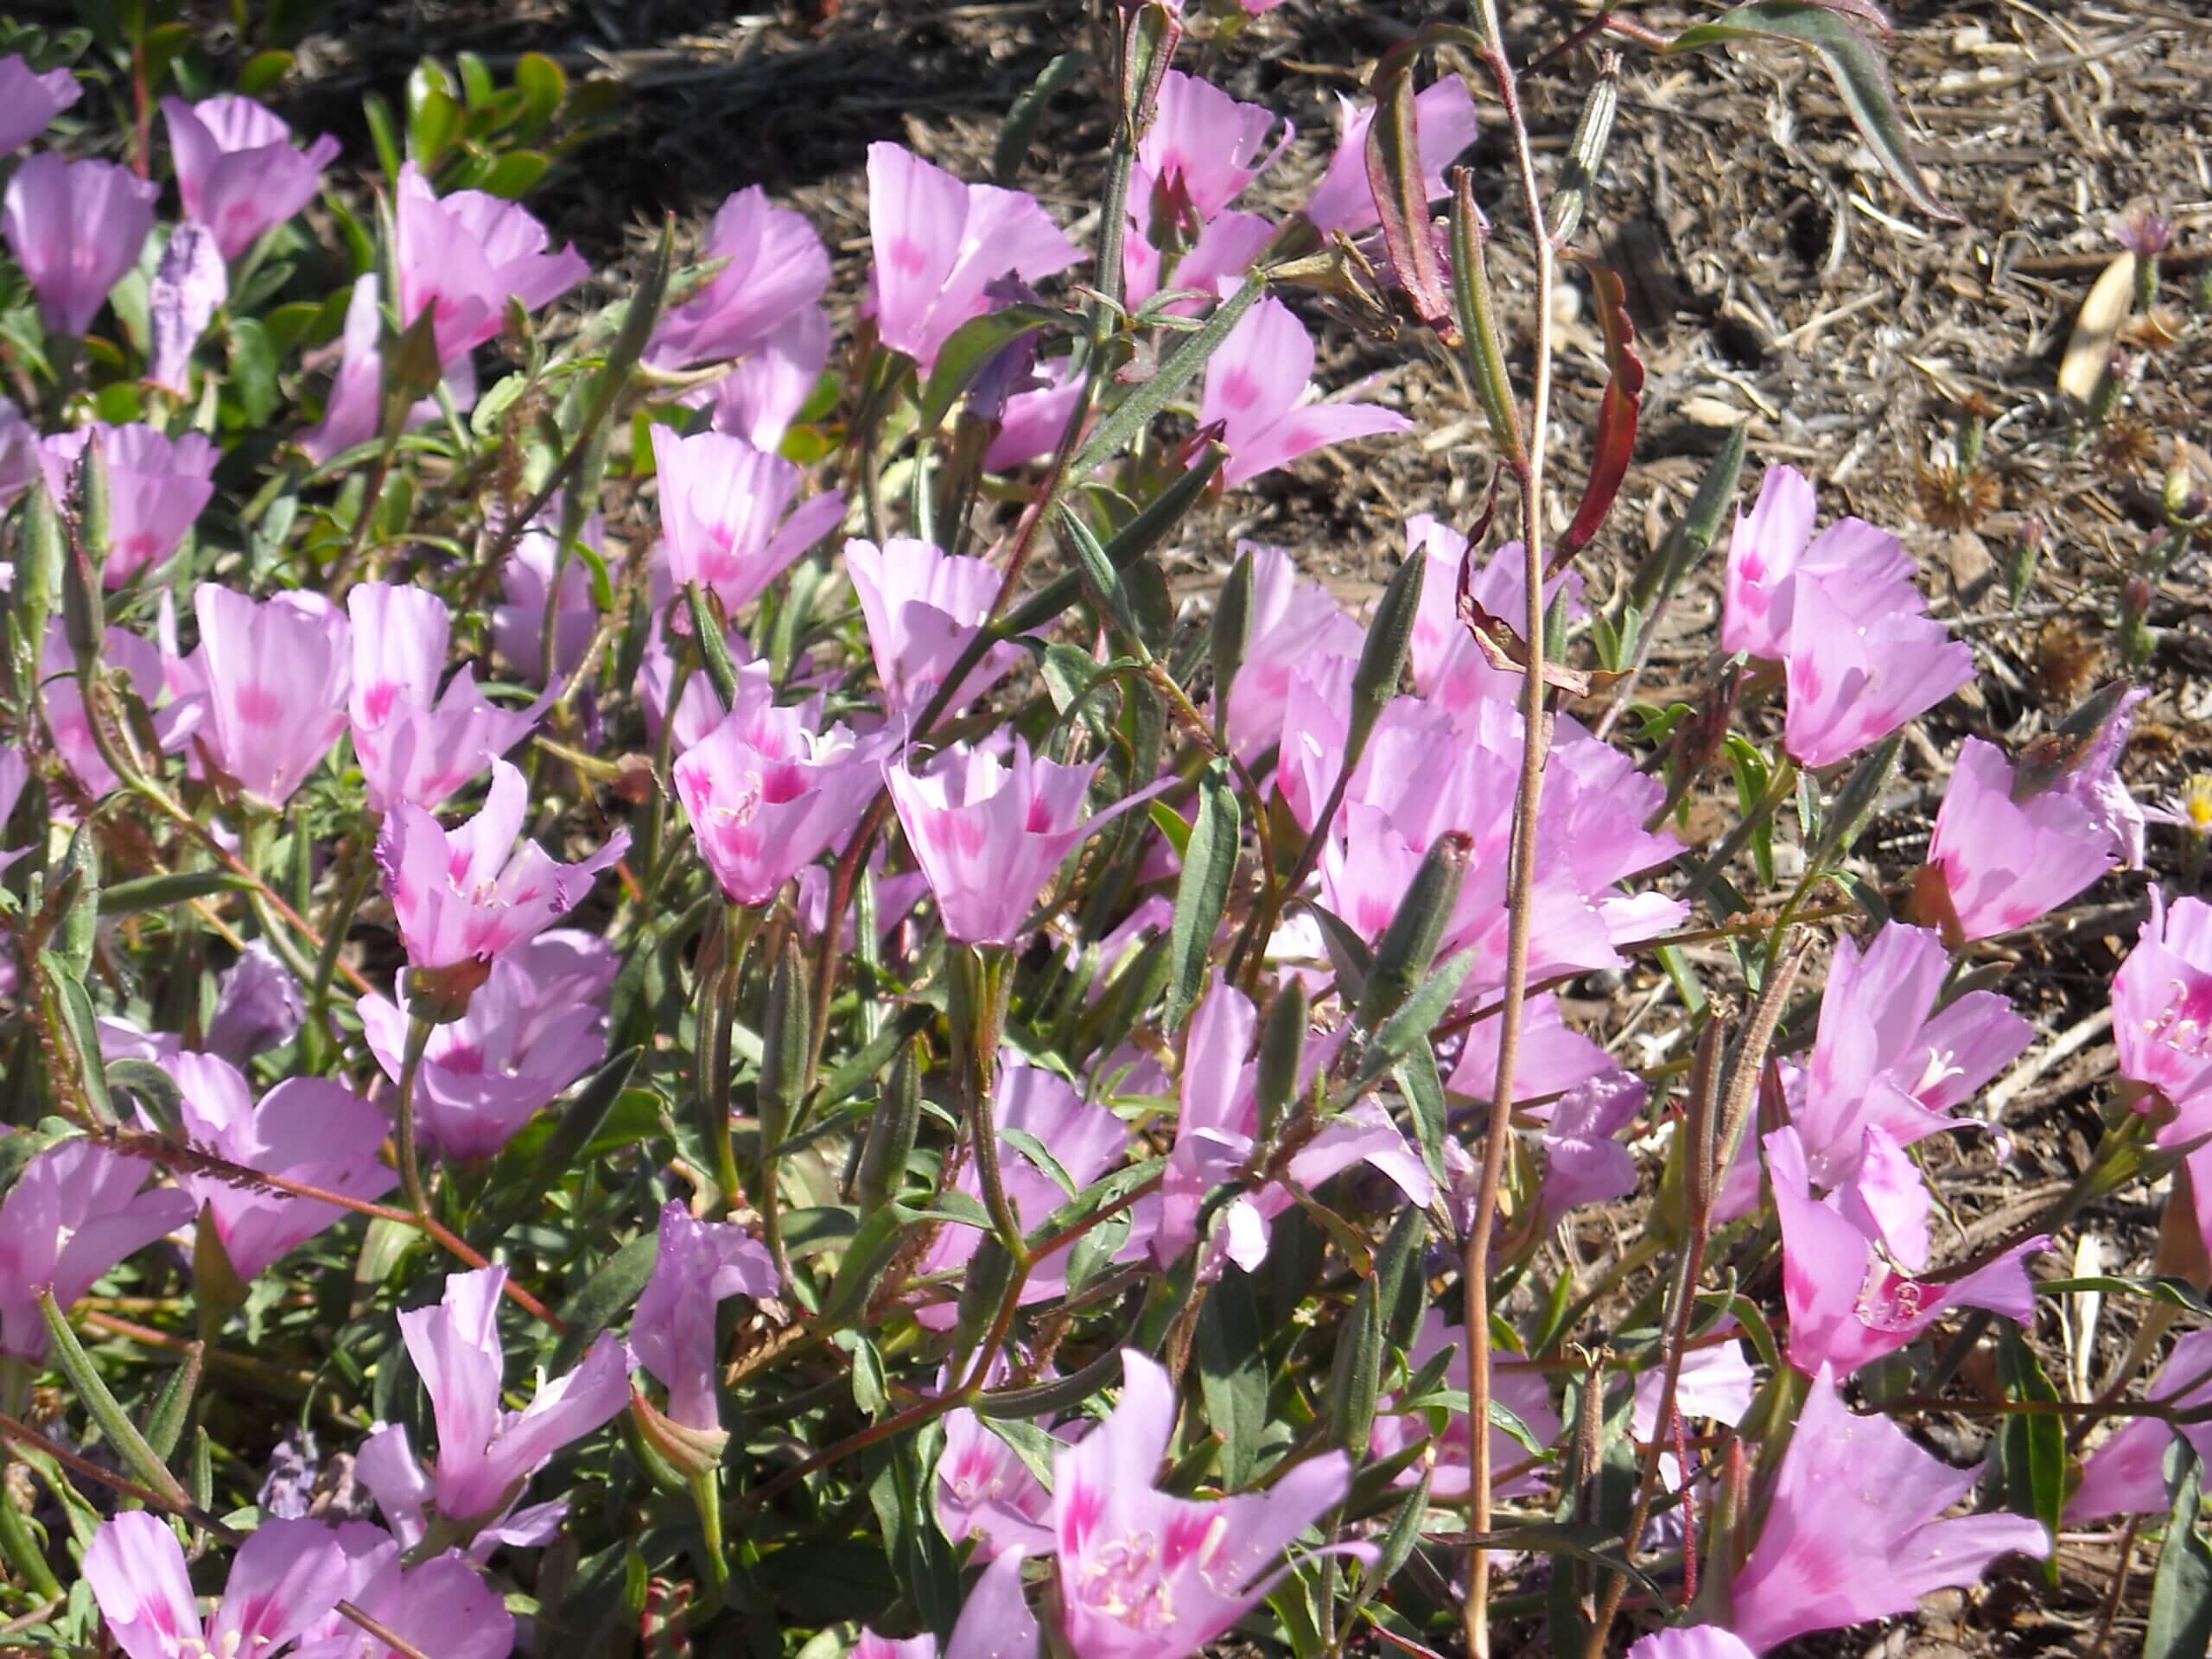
[1356, 1379]
[690, 1452]
[1409, 944]
[1382, 657]
[785, 1038]
[1282, 1054]
[891, 1131]
[1232, 631]
[2026, 554]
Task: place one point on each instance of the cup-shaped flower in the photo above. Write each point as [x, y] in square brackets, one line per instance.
[413, 744]
[443, 1607]
[1147, 1575]
[76, 228]
[308, 1129]
[258, 1007]
[238, 169]
[940, 244]
[465, 256]
[1777, 568]
[1444, 123]
[778, 268]
[1260, 386]
[2162, 1015]
[986, 1492]
[1202, 146]
[760, 398]
[468, 894]
[1849, 1303]
[29, 100]
[1884, 1054]
[73, 1214]
[923, 607]
[285, 1579]
[526, 1035]
[701, 1265]
[1850, 687]
[1449, 668]
[485, 1453]
[994, 1623]
[353, 413]
[1086, 1140]
[2006, 861]
[989, 833]
[723, 514]
[405, 1495]
[157, 486]
[767, 794]
[1855, 1527]
[276, 672]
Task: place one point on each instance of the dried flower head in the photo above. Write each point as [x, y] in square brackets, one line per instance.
[1952, 497]
[2067, 659]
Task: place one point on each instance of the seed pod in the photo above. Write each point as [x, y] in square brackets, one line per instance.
[784, 1040]
[1282, 1055]
[1382, 657]
[891, 1132]
[1355, 1380]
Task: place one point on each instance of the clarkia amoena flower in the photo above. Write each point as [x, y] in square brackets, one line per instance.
[778, 270]
[723, 514]
[353, 414]
[29, 101]
[73, 1214]
[2003, 861]
[463, 256]
[1260, 386]
[701, 1264]
[767, 794]
[1444, 121]
[276, 673]
[236, 169]
[76, 228]
[156, 487]
[923, 607]
[994, 1623]
[189, 287]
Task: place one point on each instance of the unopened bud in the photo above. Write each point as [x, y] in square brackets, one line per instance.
[2026, 554]
[891, 1132]
[440, 995]
[1409, 944]
[785, 1040]
[1382, 656]
[1282, 1056]
[1232, 633]
[1356, 1379]
[412, 370]
[2184, 501]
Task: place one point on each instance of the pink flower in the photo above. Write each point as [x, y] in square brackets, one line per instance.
[939, 243]
[1584, 1161]
[761, 397]
[443, 1607]
[29, 101]
[767, 794]
[778, 270]
[76, 228]
[699, 710]
[1201, 151]
[467, 894]
[14, 772]
[1216, 1134]
[986, 1492]
[1444, 118]
[721, 504]
[1296, 622]
[258, 1007]
[276, 674]
[989, 833]
[387, 1465]
[1691, 1642]
[1867, 658]
[517, 625]
[73, 1214]
[413, 745]
[2127, 1474]
[1449, 668]
[2162, 1015]
[237, 170]
[285, 1578]
[189, 287]
[1848, 1305]
[353, 414]
[1520, 1388]
[307, 1129]
[1259, 386]
[466, 255]
[923, 607]
[138, 662]
[157, 486]
[1147, 1575]
[1886, 1056]
[2005, 860]
[1853, 1529]
[994, 1623]
[485, 1453]
[1085, 1138]
[1213, 265]
[701, 1265]
[530, 1030]
[1554, 1057]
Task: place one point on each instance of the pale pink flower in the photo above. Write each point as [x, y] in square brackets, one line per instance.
[352, 412]
[1212, 266]
[2162, 1015]
[1854, 1528]
[994, 1623]
[442, 1607]
[467, 894]
[156, 487]
[2007, 861]
[2127, 1474]
[986, 1492]
[923, 605]
[236, 169]
[29, 101]
[1449, 668]
[767, 793]
[989, 833]
[701, 1264]
[1201, 151]
[73, 1214]
[699, 710]
[307, 1129]
[723, 507]
[777, 271]
[1444, 120]
[518, 622]
[486, 1453]
[1260, 387]
[137, 663]
[1850, 687]
[1296, 624]
[413, 744]
[76, 228]
[465, 256]
[258, 1007]
[940, 244]
[761, 397]
[189, 286]
[276, 674]
[405, 1496]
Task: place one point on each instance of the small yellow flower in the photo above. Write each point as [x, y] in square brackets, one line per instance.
[2190, 810]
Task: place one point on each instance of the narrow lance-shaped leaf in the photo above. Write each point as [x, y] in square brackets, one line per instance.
[1857, 69]
[1394, 175]
[1614, 445]
[1202, 893]
[1136, 411]
[2181, 1594]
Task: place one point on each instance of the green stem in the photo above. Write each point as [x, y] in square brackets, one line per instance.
[410, 1169]
[989, 965]
[1779, 789]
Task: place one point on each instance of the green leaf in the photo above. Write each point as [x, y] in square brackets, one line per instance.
[261, 73]
[974, 344]
[1020, 128]
[1201, 892]
[384, 135]
[476, 81]
[1414, 1018]
[141, 1462]
[543, 84]
[433, 123]
[1136, 411]
[2031, 1445]
[604, 1298]
[1103, 581]
[1232, 1375]
[1859, 75]
[2181, 1594]
[1847, 816]
[515, 175]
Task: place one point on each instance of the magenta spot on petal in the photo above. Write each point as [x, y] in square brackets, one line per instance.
[258, 705]
[906, 255]
[971, 835]
[1239, 389]
[376, 702]
[463, 1058]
